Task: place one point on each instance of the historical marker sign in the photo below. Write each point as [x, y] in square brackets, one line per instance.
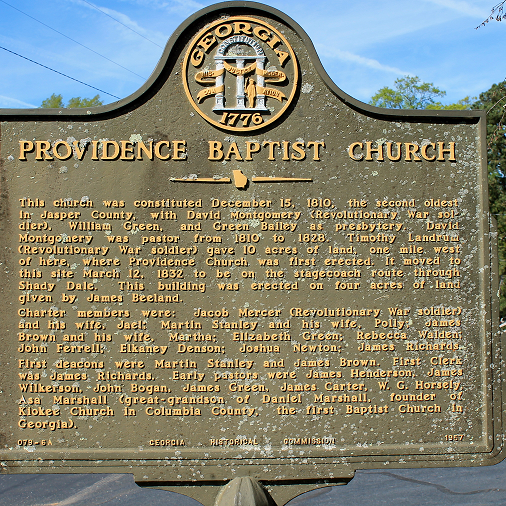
[240, 270]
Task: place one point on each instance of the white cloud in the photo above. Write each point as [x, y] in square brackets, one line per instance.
[11, 102]
[361, 60]
[463, 7]
[159, 39]
[184, 7]
[190, 4]
[124, 19]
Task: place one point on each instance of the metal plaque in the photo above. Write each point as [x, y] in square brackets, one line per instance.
[242, 271]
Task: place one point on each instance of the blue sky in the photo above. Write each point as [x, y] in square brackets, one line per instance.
[363, 44]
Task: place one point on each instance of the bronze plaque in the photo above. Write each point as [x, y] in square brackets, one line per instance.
[242, 271]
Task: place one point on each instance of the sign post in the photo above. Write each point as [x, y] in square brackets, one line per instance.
[241, 272]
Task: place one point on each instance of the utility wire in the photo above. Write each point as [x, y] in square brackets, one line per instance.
[61, 73]
[73, 40]
[117, 21]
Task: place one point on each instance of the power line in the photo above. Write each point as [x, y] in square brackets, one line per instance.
[61, 73]
[73, 40]
[117, 21]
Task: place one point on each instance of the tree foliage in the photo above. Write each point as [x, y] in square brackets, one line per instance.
[494, 102]
[411, 93]
[56, 102]
[461, 105]
[53, 102]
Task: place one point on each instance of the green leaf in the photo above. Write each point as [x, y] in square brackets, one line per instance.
[53, 102]
[56, 102]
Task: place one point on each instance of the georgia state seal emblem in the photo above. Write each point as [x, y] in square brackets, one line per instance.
[240, 73]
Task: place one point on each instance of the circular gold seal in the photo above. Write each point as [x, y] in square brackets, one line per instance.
[240, 73]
